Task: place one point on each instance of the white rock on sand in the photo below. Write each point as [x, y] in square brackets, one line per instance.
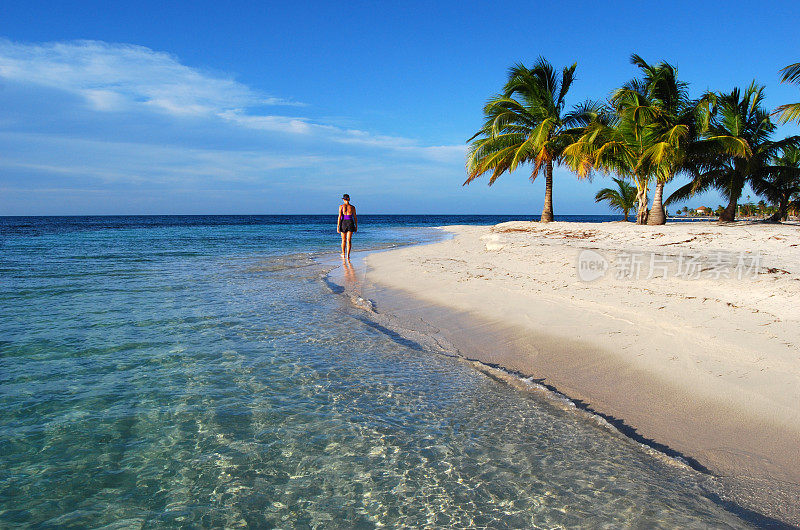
[697, 348]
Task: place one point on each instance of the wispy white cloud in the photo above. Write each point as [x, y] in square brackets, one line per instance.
[287, 124]
[116, 77]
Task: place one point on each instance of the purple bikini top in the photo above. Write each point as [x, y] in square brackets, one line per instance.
[345, 216]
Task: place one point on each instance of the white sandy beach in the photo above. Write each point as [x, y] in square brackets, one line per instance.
[697, 347]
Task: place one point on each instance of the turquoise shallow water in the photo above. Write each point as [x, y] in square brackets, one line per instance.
[184, 372]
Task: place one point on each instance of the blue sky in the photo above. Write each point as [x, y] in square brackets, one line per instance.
[267, 107]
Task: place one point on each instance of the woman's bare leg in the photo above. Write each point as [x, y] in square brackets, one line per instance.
[349, 243]
[344, 241]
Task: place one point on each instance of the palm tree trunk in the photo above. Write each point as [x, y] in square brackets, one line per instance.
[641, 197]
[729, 214]
[657, 215]
[625, 215]
[547, 211]
[782, 213]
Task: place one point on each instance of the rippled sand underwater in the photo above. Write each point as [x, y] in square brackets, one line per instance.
[235, 388]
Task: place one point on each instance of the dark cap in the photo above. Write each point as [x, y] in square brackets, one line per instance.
[346, 196]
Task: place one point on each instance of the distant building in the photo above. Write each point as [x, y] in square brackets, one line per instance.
[703, 210]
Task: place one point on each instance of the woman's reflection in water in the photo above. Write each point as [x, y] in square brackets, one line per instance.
[349, 274]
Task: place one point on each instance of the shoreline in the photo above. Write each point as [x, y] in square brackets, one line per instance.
[609, 356]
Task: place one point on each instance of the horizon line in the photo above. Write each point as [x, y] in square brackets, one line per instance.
[285, 214]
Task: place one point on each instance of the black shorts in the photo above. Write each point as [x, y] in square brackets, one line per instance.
[347, 225]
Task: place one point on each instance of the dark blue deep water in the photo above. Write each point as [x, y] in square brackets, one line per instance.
[198, 372]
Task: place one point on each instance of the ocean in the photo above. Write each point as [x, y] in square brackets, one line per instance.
[201, 371]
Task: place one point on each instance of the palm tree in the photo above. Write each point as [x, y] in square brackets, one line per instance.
[780, 182]
[673, 126]
[613, 143]
[526, 124]
[791, 111]
[623, 198]
[736, 148]
[646, 137]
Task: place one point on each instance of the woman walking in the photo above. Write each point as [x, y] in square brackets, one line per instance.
[346, 225]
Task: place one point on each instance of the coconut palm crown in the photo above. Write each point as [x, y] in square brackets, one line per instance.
[527, 124]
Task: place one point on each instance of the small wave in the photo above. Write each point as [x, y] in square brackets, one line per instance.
[363, 303]
[530, 384]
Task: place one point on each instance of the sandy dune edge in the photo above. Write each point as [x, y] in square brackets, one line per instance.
[691, 335]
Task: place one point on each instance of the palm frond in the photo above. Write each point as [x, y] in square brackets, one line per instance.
[567, 77]
[788, 112]
[791, 73]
